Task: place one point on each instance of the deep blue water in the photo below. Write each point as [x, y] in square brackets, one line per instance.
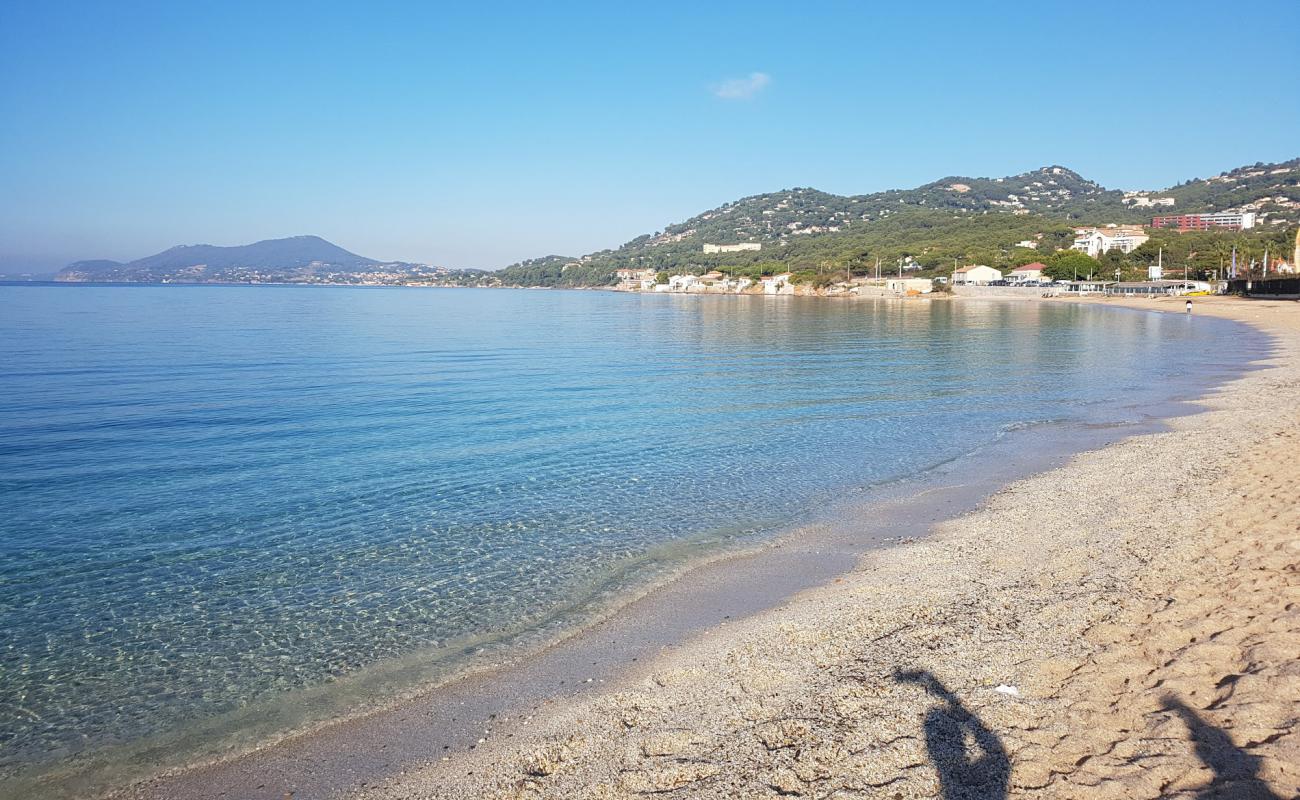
[214, 497]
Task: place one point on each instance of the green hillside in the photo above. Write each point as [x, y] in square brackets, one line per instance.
[951, 220]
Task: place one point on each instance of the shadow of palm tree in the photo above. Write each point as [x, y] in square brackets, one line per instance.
[1236, 772]
[963, 775]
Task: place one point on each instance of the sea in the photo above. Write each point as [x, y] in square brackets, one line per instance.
[230, 509]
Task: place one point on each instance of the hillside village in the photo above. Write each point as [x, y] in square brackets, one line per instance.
[825, 242]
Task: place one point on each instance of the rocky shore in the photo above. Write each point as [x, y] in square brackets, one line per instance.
[1126, 625]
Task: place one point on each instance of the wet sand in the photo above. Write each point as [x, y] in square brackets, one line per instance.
[1141, 598]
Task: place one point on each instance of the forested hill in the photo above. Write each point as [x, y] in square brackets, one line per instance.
[803, 212]
[970, 219]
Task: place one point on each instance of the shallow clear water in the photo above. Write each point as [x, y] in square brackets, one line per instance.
[215, 496]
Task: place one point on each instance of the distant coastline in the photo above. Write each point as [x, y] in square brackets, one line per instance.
[1243, 220]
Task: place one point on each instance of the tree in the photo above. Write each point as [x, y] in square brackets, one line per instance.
[1021, 256]
[1070, 264]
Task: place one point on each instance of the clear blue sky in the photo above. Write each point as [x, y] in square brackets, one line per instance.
[476, 134]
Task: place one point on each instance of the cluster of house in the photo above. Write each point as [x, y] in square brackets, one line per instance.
[1094, 241]
[715, 282]
[981, 275]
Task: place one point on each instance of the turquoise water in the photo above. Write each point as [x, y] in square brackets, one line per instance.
[220, 497]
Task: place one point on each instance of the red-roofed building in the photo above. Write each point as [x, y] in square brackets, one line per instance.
[1029, 273]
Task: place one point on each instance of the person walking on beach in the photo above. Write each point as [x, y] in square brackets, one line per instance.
[1189, 306]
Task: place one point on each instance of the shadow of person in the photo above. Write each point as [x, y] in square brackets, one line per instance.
[1236, 772]
[950, 728]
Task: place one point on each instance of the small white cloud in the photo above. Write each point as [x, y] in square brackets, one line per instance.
[742, 88]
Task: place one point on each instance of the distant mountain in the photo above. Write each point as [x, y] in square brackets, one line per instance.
[954, 217]
[298, 259]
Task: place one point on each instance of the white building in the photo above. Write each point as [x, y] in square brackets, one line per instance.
[1244, 220]
[733, 248]
[1096, 241]
[778, 284]
[682, 283]
[1143, 201]
[975, 275]
[1029, 273]
[635, 279]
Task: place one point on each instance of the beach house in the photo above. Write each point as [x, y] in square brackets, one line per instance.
[1029, 273]
[635, 279]
[778, 284]
[735, 285]
[682, 283]
[975, 275]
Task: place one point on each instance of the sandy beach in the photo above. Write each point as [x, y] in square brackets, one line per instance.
[1125, 625]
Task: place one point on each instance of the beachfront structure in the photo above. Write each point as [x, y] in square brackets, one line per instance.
[682, 283]
[975, 275]
[1158, 287]
[1096, 241]
[1204, 222]
[909, 286]
[635, 279]
[1029, 273]
[733, 248]
[736, 285]
[1081, 287]
[708, 283]
[778, 284]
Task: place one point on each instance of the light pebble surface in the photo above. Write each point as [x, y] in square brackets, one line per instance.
[1127, 625]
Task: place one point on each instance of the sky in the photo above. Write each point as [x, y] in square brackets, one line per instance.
[479, 134]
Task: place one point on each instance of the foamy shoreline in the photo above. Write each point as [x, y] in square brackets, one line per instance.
[803, 697]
